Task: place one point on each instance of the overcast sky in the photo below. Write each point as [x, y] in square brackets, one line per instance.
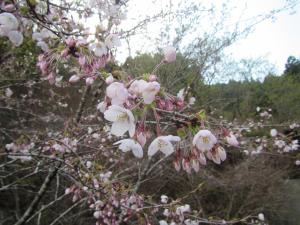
[275, 40]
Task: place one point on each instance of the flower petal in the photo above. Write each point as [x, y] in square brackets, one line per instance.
[119, 128]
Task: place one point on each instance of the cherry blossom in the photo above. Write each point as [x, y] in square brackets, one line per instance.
[117, 92]
[217, 155]
[8, 22]
[169, 54]
[204, 140]
[130, 145]
[136, 88]
[102, 106]
[231, 139]
[163, 144]
[123, 120]
[112, 40]
[149, 91]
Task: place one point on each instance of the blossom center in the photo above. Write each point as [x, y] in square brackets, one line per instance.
[205, 139]
[161, 143]
[123, 117]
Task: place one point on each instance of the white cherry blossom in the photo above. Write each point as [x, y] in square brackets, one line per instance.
[204, 140]
[99, 49]
[8, 22]
[117, 92]
[149, 91]
[130, 145]
[163, 144]
[136, 88]
[170, 54]
[123, 120]
[112, 40]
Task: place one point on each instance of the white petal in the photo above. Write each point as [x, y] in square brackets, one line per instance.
[153, 147]
[113, 113]
[137, 150]
[172, 138]
[222, 153]
[16, 37]
[148, 97]
[119, 128]
[166, 147]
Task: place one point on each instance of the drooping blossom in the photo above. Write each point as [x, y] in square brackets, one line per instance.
[149, 91]
[231, 140]
[117, 92]
[169, 54]
[204, 140]
[163, 144]
[217, 154]
[130, 145]
[123, 120]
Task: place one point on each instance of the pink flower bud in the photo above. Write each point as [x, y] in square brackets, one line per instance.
[89, 81]
[152, 77]
[170, 54]
[179, 103]
[161, 104]
[141, 138]
[74, 79]
[169, 105]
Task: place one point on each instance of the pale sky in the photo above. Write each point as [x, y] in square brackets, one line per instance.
[276, 40]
